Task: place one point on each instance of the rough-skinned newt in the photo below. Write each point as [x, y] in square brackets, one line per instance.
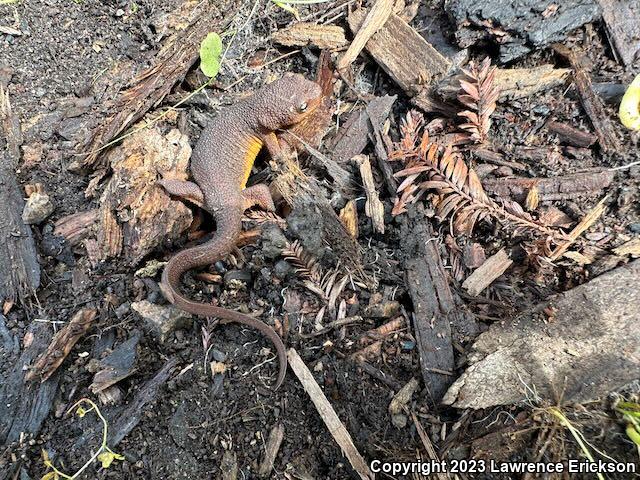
[220, 166]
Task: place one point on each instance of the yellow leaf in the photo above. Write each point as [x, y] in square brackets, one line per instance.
[107, 458]
[81, 412]
[50, 476]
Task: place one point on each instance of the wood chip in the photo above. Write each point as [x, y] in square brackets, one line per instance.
[403, 53]
[328, 415]
[373, 208]
[632, 247]
[271, 450]
[303, 34]
[349, 218]
[76, 227]
[517, 83]
[61, 345]
[370, 23]
[484, 275]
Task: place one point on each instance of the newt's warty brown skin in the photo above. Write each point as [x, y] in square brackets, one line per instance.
[220, 165]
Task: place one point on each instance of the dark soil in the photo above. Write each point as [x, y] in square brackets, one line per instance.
[195, 420]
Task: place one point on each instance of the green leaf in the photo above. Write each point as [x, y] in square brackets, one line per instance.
[81, 411]
[633, 434]
[210, 54]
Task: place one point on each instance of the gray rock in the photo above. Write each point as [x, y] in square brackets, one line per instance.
[162, 321]
[273, 241]
[590, 348]
[37, 208]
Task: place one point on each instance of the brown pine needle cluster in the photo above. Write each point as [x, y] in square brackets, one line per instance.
[307, 266]
[479, 94]
[459, 195]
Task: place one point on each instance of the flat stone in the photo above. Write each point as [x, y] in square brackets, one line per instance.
[161, 321]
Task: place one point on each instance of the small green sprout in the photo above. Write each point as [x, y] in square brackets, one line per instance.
[631, 414]
[210, 54]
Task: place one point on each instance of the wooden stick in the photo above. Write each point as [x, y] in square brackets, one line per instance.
[589, 219]
[375, 19]
[328, 415]
[374, 208]
[273, 446]
[484, 275]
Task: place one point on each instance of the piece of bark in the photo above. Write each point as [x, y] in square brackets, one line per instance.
[373, 208]
[19, 267]
[434, 307]
[116, 366]
[328, 415]
[304, 34]
[622, 20]
[128, 417]
[169, 67]
[590, 348]
[517, 83]
[403, 53]
[388, 380]
[571, 135]
[342, 179]
[271, 450]
[353, 135]
[61, 345]
[23, 405]
[591, 103]
[485, 274]
[553, 188]
[313, 220]
[76, 227]
[370, 22]
[137, 215]
[497, 159]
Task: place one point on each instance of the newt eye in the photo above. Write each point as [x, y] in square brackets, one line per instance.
[302, 107]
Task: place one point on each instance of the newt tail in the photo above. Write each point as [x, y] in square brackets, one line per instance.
[220, 165]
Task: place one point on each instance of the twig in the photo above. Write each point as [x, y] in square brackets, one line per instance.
[328, 415]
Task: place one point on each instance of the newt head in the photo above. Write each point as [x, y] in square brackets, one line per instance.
[287, 101]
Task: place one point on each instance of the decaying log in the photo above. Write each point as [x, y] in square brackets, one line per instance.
[19, 267]
[136, 215]
[370, 23]
[61, 345]
[403, 53]
[485, 274]
[328, 415]
[353, 135]
[571, 135]
[622, 19]
[23, 405]
[147, 90]
[589, 348]
[592, 104]
[434, 308]
[553, 188]
[303, 34]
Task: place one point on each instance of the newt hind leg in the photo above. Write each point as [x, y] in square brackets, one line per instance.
[181, 188]
[258, 195]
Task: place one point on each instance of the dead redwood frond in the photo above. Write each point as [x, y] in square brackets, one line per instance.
[459, 193]
[479, 94]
